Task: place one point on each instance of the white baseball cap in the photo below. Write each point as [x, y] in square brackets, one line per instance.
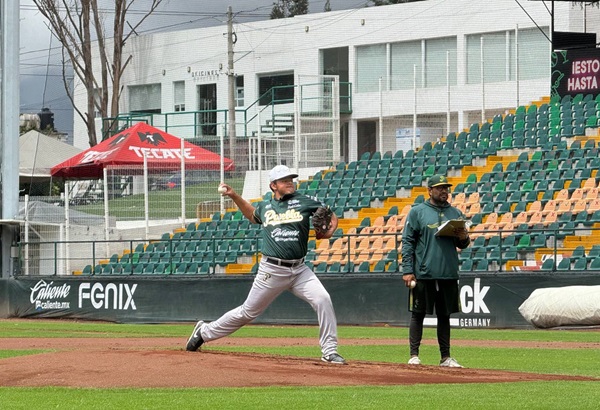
[279, 172]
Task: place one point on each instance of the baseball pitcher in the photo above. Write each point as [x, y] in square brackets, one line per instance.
[286, 225]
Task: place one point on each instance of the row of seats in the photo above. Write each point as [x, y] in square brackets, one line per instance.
[379, 176]
[160, 268]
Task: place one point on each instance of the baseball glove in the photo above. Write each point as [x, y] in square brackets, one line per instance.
[321, 221]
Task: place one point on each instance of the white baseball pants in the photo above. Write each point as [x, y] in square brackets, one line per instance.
[270, 281]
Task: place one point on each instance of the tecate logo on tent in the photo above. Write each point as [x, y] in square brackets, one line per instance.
[162, 153]
[92, 156]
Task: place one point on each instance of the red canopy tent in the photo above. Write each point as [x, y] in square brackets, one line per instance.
[129, 146]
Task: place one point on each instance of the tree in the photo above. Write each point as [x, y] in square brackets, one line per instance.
[289, 8]
[74, 23]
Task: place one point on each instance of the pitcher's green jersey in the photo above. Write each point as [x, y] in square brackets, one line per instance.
[286, 225]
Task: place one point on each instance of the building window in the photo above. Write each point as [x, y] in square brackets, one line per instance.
[499, 54]
[497, 49]
[276, 89]
[534, 53]
[430, 57]
[145, 98]
[370, 66]
[440, 53]
[179, 95]
[239, 91]
[404, 58]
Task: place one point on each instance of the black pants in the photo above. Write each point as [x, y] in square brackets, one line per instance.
[416, 333]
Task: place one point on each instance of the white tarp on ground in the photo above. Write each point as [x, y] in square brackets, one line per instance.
[565, 306]
[38, 153]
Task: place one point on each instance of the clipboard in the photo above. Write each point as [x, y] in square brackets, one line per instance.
[448, 227]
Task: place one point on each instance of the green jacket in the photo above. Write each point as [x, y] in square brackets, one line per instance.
[425, 255]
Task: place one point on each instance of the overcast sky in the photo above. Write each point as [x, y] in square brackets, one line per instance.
[40, 57]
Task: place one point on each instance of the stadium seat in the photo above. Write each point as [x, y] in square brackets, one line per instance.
[466, 265]
[548, 265]
[580, 264]
[564, 264]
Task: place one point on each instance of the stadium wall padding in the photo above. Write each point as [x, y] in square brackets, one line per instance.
[3, 299]
[487, 300]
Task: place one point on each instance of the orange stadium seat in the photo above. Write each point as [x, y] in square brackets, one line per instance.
[579, 206]
[536, 218]
[589, 183]
[536, 206]
[521, 218]
[591, 194]
[563, 195]
[551, 206]
[550, 218]
[564, 206]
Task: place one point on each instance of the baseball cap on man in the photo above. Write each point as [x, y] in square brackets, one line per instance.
[279, 172]
[438, 180]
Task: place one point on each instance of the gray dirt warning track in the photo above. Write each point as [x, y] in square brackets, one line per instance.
[162, 362]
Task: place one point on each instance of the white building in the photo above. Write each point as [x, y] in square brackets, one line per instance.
[427, 54]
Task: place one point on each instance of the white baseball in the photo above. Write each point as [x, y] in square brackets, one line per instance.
[222, 189]
[413, 283]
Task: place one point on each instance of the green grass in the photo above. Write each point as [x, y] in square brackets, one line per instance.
[16, 353]
[50, 328]
[530, 395]
[160, 203]
[526, 395]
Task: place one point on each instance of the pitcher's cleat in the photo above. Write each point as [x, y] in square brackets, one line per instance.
[333, 358]
[195, 340]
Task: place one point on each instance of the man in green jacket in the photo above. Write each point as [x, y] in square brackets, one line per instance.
[430, 258]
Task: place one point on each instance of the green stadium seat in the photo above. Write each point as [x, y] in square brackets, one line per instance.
[364, 267]
[482, 265]
[163, 268]
[564, 264]
[335, 267]
[500, 187]
[479, 242]
[379, 266]
[578, 252]
[204, 268]
[181, 268]
[105, 269]
[480, 254]
[466, 265]
[392, 267]
[321, 268]
[580, 264]
[548, 265]
[595, 264]
[348, 267]
[127, 269]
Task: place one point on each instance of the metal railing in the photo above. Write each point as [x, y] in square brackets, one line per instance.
[507, 251]
[195, 124]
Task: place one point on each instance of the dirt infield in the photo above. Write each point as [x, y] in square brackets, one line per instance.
[162, 362]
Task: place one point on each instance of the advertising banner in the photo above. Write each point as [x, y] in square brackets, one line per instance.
[487, 301]
[575, 72]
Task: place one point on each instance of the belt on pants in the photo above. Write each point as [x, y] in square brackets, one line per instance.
[284, 263]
